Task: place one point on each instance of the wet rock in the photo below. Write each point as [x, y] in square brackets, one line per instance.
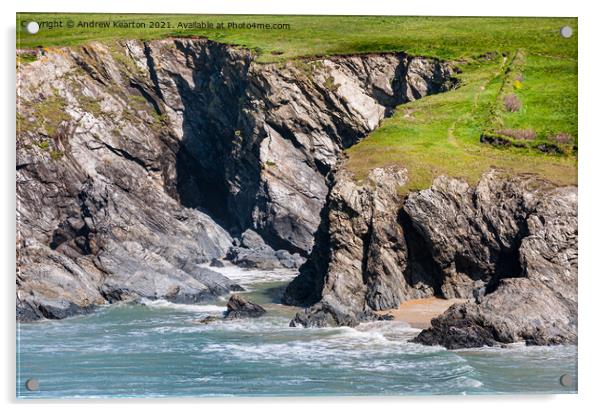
[216, 263]
[322, 315]
[207, 319]
[238, 307]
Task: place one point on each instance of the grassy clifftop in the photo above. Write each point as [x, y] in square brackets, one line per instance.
[442, 134]
[516, 107]
[444, 37]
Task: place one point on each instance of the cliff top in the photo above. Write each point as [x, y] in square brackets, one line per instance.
[515, 108]
[277, 38]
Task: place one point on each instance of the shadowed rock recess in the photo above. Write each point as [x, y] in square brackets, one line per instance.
[139, 161]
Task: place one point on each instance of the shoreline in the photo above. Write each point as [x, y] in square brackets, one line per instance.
[419, 312]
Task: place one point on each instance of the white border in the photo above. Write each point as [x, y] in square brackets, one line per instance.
[590, 130]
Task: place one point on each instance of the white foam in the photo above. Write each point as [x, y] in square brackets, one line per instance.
[163, 304]
[246, 277]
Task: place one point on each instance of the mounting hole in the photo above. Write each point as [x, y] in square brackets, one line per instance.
[566, 380]
[32, 384]
[32, 27]
[566, 32]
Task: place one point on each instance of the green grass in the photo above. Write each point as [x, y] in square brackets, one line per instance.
[444, 37]
[49, 114]
[549, 98]
[436, 135]
[440, 134]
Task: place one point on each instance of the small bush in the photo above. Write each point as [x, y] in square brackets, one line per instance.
[562, 138]
[44, 144]
[330, 84]
[519, 134]
[56, 155]
[512, 103]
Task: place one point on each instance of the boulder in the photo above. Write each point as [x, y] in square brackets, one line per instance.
[254, 253]
[238, 308]
[216, 263]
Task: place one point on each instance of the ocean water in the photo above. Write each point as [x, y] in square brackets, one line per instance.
[157, 350]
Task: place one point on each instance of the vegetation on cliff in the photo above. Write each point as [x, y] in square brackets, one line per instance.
[515, 109]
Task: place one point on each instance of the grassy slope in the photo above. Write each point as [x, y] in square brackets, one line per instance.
[439, 134]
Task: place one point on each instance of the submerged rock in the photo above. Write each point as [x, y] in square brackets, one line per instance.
[238, 307]
[207, 319]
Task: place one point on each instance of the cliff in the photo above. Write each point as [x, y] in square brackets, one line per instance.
[509, 245]
[138, 161]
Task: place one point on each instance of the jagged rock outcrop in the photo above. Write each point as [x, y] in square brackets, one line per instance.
[259, 138]
[539, 306]
[511, 242]
[238, 307]
[98, 219]
[133, 157]
[360, 259]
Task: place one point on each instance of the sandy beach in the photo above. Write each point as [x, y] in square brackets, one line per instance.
[419, 312]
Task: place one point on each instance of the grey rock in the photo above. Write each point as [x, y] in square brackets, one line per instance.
[254, 253]
[217, 283]
[118, 197]
[322, 315]
[288, 260]
[207, 319]
[216, 263]
[329, 313]
[510, 243]
[239, 307]
[262, 259]
[540, 306]
[251, 240]
[360, 256]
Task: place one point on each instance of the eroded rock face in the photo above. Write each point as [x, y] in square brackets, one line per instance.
[510, 243]
[361, 255]
[540, 306]
[133, 158]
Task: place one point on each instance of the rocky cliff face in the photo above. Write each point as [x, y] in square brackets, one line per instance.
[509, 245]
[137, 161]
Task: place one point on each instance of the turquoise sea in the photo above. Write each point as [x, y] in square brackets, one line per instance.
[157, 350]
